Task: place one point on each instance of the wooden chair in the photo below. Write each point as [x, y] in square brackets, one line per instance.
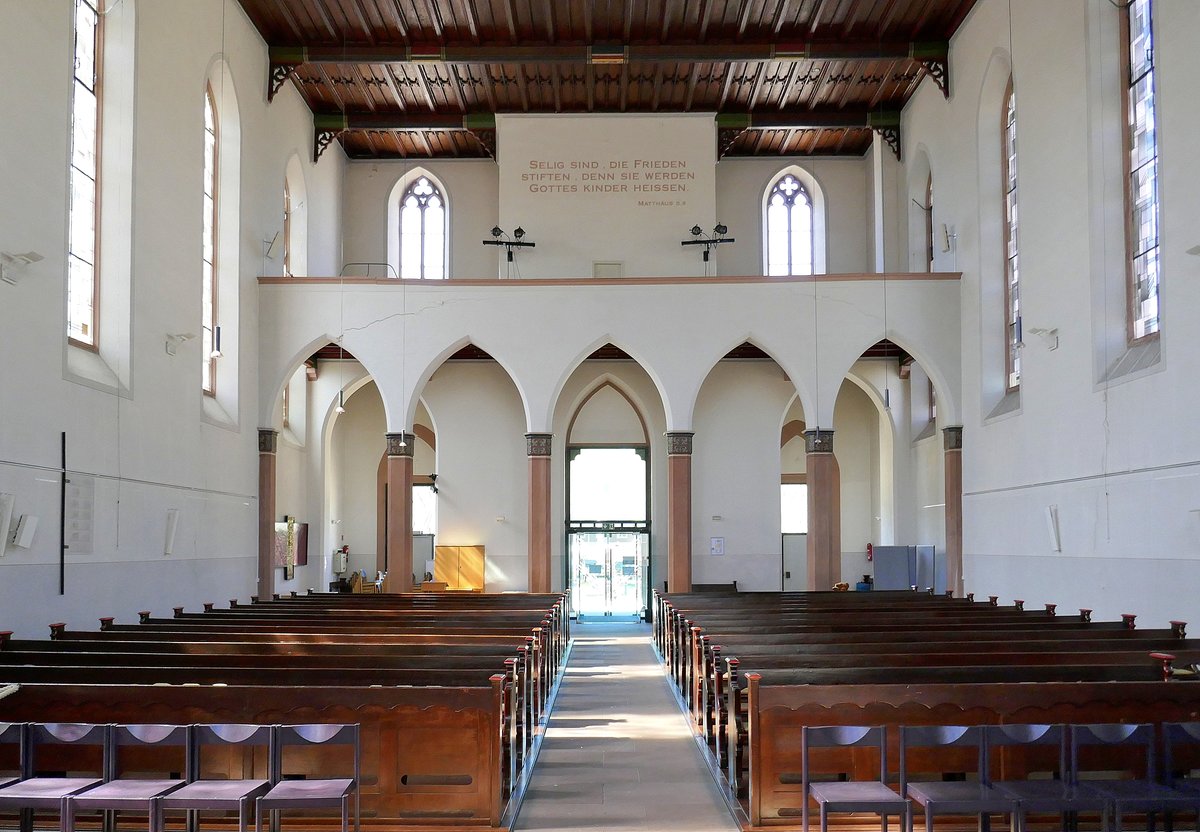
[954, 797]
[31, 792]
[219, 795]
[126, 794]
[1147, 795]
[1062, 795]
[873, 796]
[289, 794]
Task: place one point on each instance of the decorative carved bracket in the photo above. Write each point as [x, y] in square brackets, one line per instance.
[726, 136]
[486, 137]
[891, 135]
[277, 77]
[322, 138]
[939, 70]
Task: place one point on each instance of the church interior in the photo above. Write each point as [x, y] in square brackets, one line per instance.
[616, 331]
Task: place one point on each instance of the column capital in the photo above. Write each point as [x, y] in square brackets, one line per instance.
[268, 440]
[818, 441]
[952, 438]
[401, 444]
[538, 444]
[679, 442]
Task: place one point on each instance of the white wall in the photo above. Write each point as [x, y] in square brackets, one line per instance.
[138, 426]
[483, 482]
[1119, 459]
[471, 191]
[741, 184]
[735, 474]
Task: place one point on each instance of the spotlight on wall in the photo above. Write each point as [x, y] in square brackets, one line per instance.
[216, 350]
[497, 231]
[697, 231]
[519, 233]
[719, 229]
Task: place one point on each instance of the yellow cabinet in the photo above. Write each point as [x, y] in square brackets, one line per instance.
[461, 567]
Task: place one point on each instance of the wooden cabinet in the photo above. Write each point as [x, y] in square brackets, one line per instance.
[461, 567]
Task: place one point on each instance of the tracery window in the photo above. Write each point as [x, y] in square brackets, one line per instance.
[789, 224]
[1012, 270]
[82, 269]
[1141, 140]
[423, 231]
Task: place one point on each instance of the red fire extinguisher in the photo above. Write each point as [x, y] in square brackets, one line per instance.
[870, 552]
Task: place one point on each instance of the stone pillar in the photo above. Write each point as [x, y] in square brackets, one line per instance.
[537, 446]
[824, 510]
[267, 442]
[679, 511]
[400, 448]
[954, 525]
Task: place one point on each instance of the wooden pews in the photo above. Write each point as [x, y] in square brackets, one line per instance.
[753, 669]
[451, 692]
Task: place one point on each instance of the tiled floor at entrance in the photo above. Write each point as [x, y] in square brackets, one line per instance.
[617, 753]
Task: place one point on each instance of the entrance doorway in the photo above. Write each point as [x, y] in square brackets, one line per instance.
[608, 531]
[608, 572]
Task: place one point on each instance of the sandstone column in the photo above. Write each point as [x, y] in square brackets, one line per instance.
[400, 448]
[537, 446]
[679, 511]
[268, 440]
[954, 525]
[824, 510]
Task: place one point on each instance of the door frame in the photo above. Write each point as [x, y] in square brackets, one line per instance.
[571, 526]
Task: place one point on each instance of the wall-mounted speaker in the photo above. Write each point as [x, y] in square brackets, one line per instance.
[26, 527]
[172, 526]
[7, 501]
[1052, 528]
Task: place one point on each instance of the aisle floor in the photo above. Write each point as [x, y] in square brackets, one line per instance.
[618, 753]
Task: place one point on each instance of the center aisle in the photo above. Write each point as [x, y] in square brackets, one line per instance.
[618, 753]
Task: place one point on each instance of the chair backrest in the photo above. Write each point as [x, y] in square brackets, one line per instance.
[842, 736]
[1010, 736]
[943, 736]
[1113, 735]
[229, 734]
[1175, 736]
[149, 736]
[317, 734]
[12, 747]
[42, 734]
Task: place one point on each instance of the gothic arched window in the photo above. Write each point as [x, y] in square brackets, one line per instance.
[423, 231]
[789, 224]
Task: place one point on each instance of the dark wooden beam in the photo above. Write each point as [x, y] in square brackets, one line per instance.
[544, 53]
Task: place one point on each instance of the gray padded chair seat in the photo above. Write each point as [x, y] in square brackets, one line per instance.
[214, 794]
[44, 792]
[112, 794]
[960, 798]
[291, 793]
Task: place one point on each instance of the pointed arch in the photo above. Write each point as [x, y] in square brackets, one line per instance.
[413, 393]
[418, 226]
[581, 356]
[608, 381]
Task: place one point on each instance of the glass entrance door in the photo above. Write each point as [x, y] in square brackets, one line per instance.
[608, 571]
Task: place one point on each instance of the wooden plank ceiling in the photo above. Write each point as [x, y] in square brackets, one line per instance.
[424, 78]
